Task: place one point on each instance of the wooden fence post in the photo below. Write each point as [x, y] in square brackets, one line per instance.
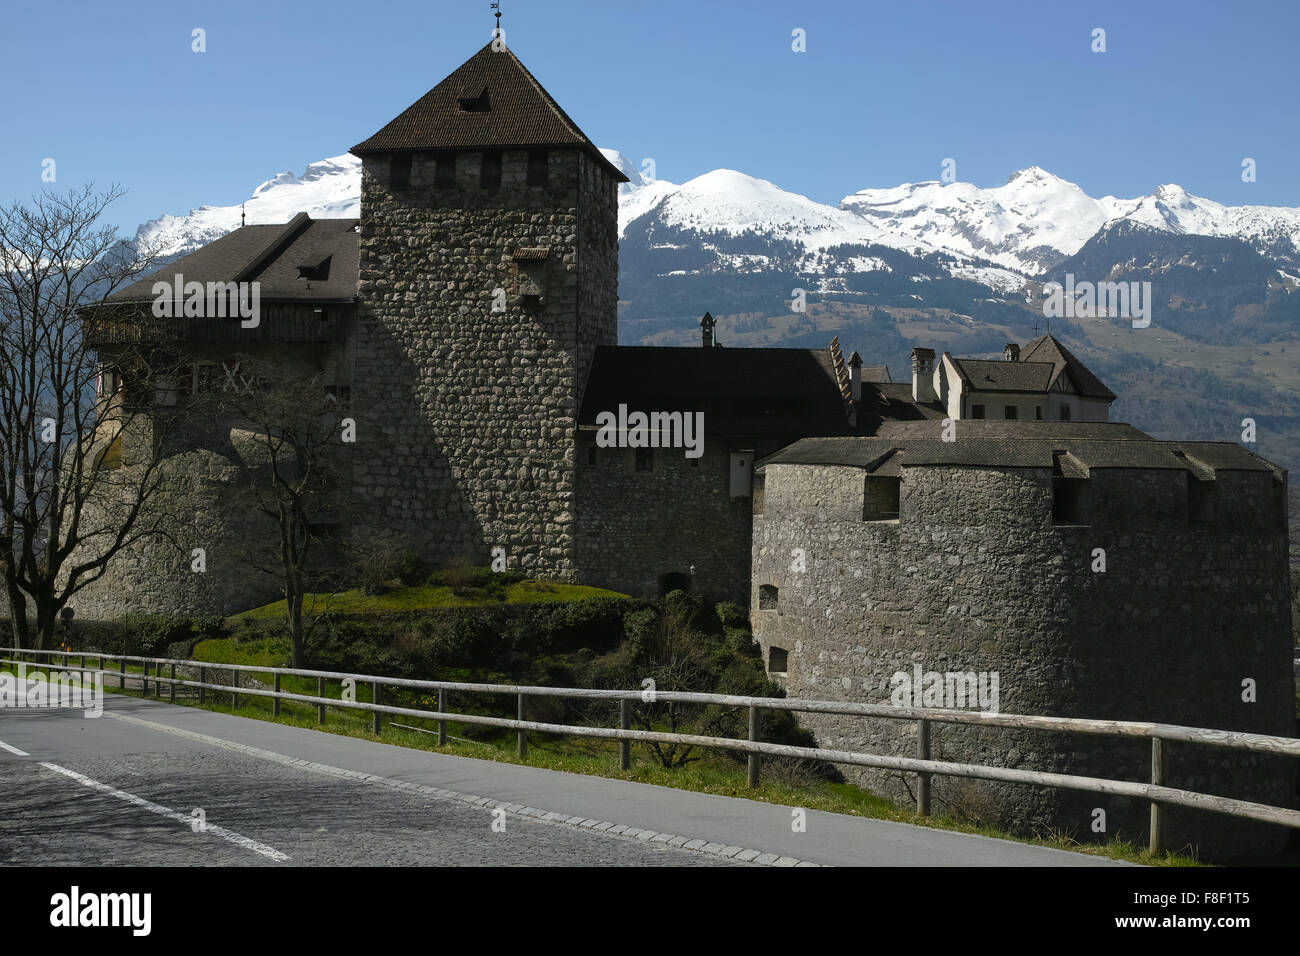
[753, 757]
[203, 679]
[173, 688]
[923, 779]
[144, 680]
[121, 675]
[320, 692]
[374, 694]
[442, 724]
[275, 701]
[1157, 844]
[624, 746]
[523, 734]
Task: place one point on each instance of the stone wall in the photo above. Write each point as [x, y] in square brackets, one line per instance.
[467, 416]
[203, 501]
[638, 528]
[974, 577]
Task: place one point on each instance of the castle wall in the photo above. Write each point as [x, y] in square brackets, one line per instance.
[636, 527]
[973, 576]
[470, 414]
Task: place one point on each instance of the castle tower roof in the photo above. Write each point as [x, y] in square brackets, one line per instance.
[489, 101]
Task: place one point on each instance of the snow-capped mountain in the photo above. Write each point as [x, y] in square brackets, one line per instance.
[993, 236]
[1036, 219]
[329, 189]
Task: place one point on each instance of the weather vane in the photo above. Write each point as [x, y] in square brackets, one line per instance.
[497, 7]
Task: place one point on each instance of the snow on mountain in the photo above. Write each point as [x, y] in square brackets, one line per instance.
[1023, 227]
[1030, 222]
[1036, 219]
[328, 189]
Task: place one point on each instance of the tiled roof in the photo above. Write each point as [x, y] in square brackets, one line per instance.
[1006, 452]
[986, 375]
[1046, 348]
[757, 392]
[876, 373]
[514, 111]
[270, 255]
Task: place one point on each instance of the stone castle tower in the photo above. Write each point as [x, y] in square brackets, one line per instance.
[488, 278]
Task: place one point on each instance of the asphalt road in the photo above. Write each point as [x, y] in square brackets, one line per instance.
[151, 783]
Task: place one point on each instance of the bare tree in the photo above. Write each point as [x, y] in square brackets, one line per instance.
[296, 434]
[67, 505]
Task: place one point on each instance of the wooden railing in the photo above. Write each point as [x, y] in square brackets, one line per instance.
[1155, 792]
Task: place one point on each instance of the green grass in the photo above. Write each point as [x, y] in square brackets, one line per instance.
[714, 773]
[424, 597]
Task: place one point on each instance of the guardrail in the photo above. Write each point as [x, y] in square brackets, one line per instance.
[1155, 792]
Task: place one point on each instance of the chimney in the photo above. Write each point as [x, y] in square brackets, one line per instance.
[855, 376]
[1012, 352]
[923, 375]
[707, 323]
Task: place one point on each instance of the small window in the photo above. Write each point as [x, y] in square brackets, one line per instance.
[444, 171]
[1065, 413]
[491, 171]
[1069, 500]
[1038, 413]
[538, 160]
[977, 411]
[767, 597]
[645, 459]
[778, 661]
[1199, 501]
[880, 496]
[400, 177]
[1010, 412]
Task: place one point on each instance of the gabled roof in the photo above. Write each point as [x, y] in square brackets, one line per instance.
[511, 110]
[1046, 348]
[1040, 366]
[271, 256]
[987, 375]
[758, 392]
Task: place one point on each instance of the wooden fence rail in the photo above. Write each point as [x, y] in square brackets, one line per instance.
[925, 768]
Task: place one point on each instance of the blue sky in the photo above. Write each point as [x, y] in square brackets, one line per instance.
[884, 92]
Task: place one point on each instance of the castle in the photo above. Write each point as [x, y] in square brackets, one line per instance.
[468, 322]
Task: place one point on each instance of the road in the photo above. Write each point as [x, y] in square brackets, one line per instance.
[151, 783]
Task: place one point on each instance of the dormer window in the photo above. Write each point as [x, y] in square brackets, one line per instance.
[319, 271]
[476, 102]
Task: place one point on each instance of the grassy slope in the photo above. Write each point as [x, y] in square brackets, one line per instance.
[423, 597]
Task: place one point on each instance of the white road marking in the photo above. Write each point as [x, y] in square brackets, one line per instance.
[740, 854]
[13, 750]
[222, 832]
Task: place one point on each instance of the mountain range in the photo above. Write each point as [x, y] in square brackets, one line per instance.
[945, 265]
